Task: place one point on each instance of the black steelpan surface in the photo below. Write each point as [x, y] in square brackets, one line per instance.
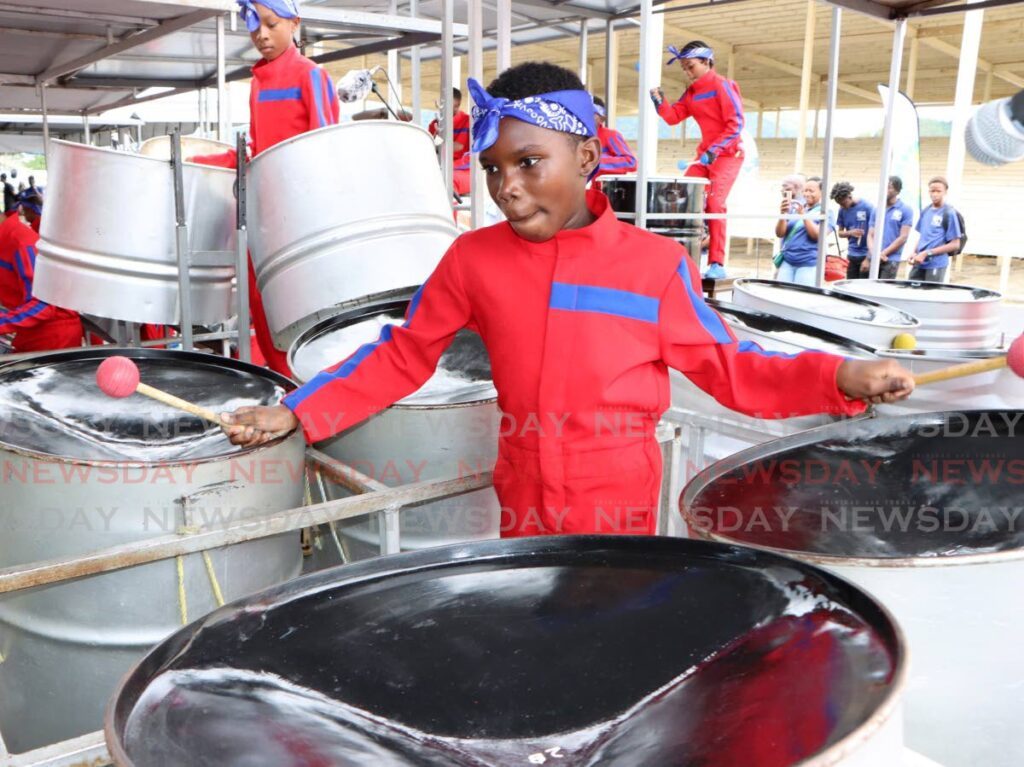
[578, 650]
[945, 484]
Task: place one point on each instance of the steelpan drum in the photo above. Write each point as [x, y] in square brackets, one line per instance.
[612, 651]
[446, 429]
[370, 217]
[868, 322]
[159, 147]
[952, 316]
[82, 472]
[107, 243]
[924, 512]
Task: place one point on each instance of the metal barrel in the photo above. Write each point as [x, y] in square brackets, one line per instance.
[107, 244]
[952, 316]
[665, 194]
[867, 322]
[485, 653]
[83, 472]
[448, 428]
[923, 511]
[372, 218]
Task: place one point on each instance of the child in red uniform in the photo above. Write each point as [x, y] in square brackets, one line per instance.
[289, 95]
[582, 315]
[460, 127]
[714, 102]
[37, 326]
[616, 156]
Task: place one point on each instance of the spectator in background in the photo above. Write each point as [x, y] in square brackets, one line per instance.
[460, 127]
[940, 235]
[800, 238]
[852, 223]
[899, 218]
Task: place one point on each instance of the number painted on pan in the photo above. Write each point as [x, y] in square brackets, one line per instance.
[542, 757]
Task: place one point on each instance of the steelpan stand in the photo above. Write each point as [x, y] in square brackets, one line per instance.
[239, 258]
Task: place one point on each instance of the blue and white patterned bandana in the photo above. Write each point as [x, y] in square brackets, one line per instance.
[563, 111]
[285, 9]
[25, 201]
[600, 110]
[695, 53]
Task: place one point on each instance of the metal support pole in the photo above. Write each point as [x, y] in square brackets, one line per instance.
[898, 35]
[86, 127]
[915, 45]
[805, 87]
[826, 163]
[394, 71]
[414, 67]
[611, 71]
[223, 120]
[584, 45]
[652, 38]
[181, 241]
[390, 530]
[46, 124]
[478, 185]
[967, 71]
[504, 53]
[446, 128]
[242, 258]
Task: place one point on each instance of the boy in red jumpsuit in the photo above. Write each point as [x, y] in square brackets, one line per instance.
[616, 156]
[715, 103]
[460, 127]
[582, 315]
[37, 326]
[289, 95]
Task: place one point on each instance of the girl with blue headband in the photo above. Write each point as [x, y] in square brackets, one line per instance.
[289, 95]
[581, 314]
[715, 103]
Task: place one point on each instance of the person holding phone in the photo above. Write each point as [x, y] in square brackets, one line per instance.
[799, 237]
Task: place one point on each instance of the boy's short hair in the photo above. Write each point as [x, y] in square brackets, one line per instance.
[841, 190]
[598, 101]
[532, 79]
[897, 183]
[456, 94]
[938, 180]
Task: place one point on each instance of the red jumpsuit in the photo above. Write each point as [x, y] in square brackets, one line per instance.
[460, 133]
[288, 96]
[616, 156]
[715, 103]
[38, 326]
[580, 339]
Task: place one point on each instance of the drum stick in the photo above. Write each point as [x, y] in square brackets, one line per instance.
[1013, 359]
[119, 377]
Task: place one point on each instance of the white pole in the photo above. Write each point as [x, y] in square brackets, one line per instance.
[584, 44]
[394, 71]
[805, 87]
[968, 69]
[476, 70]
[445, 115]
[416, 85]
[652, 42]
[611, 72]
[826, 166]
[223, 121]
[86, 127]
[46, 124]
[898, 35]
[504, 59]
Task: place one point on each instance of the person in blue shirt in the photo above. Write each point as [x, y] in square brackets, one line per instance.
[940, 235]
[800, 238]
[899, 219]
[852, 223]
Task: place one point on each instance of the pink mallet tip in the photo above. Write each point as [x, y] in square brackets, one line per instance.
[1015, 356]
[117, 376]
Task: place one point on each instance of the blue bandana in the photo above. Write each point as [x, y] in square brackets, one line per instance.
[695, 53]
[600, 110]
[564, 111]
[285, 9]
[24, 203]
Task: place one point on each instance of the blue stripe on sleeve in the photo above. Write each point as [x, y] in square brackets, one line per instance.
[708, 317]
[318, 95]
[739, 117]
[7, 266]
[350, 365]
[591, 298]
[281, 94]
[751, 347]
[705, 95]
[26, 283]
[36, 307]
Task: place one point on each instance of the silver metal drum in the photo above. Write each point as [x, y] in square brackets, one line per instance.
[83, 472]
[370, 217]
[107, 242]
[665, 194]
[485, 654]
[448, 428]
[923, 511]
[159, 147]
[952, 316]
[859, 319]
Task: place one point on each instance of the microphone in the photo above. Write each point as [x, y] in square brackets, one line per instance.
[356, 84]
[995, 133]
